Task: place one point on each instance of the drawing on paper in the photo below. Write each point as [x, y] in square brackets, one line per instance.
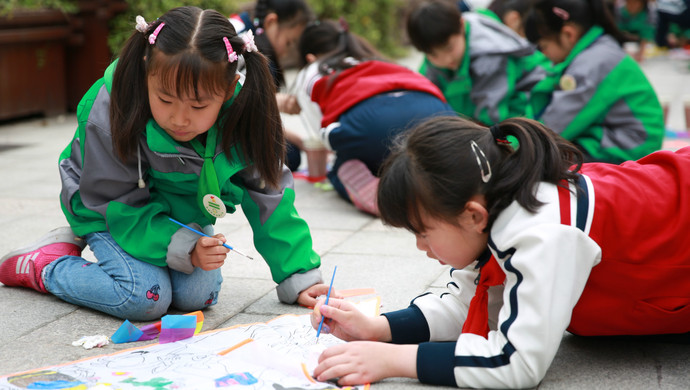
[276, 355]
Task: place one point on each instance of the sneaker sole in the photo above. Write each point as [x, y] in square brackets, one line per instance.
[61, 234]
[360, 184]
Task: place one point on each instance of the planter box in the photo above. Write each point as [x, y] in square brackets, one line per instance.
[49, 59]
[88, 54]
[32, 63]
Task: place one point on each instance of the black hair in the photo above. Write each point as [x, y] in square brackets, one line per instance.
[435, 168]
[334, 41]
[290, 12]
[502, 7]
[430, 24]
[189, 54]
[546, 18]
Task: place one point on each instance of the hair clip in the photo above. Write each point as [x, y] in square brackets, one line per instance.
[561, 13]
[249, 44]
[232, 56]
[154, 34]
[142, 25]
[486, 176]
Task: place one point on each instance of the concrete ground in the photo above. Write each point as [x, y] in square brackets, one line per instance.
[38, 329]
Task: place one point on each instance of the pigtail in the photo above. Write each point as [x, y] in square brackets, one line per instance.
[129, 104]
[253, 120]
[542, 155]
[339, 48]
[435, 168]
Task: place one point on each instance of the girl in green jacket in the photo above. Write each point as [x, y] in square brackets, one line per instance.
[169, 133]
[596, 95]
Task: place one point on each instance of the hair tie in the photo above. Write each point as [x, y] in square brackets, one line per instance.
[561, 13]
[249, 44]
[486, 175]
[154, 34]
[142, 25]
[343, 24]
[498, 134]
[232, 56]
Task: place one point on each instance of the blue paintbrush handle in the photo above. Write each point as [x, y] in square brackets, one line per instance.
[206, 235]
[318, 332]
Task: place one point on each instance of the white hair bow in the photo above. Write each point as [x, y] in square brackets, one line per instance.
[142, 25]
[249, 44]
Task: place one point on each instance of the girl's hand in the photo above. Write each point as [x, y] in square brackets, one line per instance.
[344, 321]
[288, 103]
[209, 252]
[307, 298]
[360, 362]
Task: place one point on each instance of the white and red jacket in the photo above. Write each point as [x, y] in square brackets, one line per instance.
[323, 100]
[607, 258]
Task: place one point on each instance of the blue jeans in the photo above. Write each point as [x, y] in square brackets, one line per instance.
[367, 130]
[125, 287]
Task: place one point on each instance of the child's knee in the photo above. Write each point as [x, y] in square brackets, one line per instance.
[190, 303]
[152, 306]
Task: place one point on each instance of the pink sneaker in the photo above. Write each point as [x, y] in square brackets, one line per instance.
[361, 185]
[23, 266]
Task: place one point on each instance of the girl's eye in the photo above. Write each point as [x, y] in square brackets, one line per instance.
[163, 100]
[199, 108]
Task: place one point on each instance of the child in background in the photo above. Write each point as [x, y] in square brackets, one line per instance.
[358, 103]
[277, 26]
[634, 19]
[511, 13]
[481, 65]
[165, 134]
[595, 249]
[595, 96]
[673, 17]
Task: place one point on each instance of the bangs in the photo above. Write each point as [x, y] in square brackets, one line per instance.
[185, 75]
[401, 195]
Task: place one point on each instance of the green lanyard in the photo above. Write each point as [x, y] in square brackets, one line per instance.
[208, 194]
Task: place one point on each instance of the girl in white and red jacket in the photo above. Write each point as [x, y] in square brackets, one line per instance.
[357, 103]
[595, 249]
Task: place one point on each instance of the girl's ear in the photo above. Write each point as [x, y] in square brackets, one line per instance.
[570, 34]
[479, 215]
[513, 20]
[231, 89]
[270, 20]
[310, 58]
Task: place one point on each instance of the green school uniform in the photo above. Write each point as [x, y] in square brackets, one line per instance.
[101, 193]
[600, 99]
[638, 24]
[496, 73]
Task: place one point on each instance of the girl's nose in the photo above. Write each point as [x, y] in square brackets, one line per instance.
[180, 117]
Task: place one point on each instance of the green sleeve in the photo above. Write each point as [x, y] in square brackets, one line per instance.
[284, 239]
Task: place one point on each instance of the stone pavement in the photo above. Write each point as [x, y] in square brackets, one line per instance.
[38, 329]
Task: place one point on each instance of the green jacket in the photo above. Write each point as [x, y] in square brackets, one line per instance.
[497, 71]
[100, 193]
[600, 99]
[639, 24]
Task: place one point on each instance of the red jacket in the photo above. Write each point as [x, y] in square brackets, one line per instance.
[363, 81]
